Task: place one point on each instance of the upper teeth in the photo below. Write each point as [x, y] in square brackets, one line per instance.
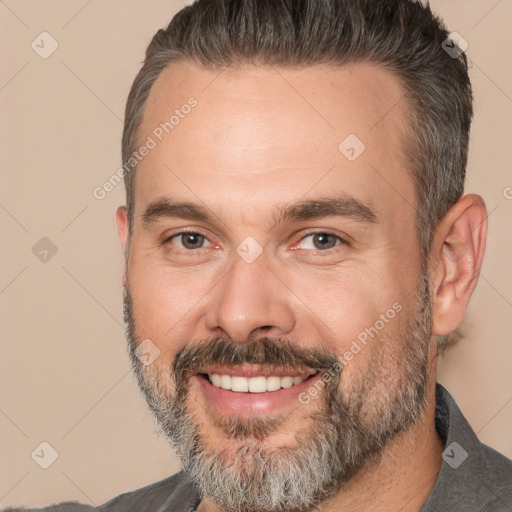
[254, 384]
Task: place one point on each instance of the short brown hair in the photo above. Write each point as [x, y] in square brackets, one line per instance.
[402, 36]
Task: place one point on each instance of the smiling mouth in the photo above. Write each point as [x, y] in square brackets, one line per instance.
[259, 384]
[250, 390]
[255, 383]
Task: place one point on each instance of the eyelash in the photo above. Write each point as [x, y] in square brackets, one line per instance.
[311, 233]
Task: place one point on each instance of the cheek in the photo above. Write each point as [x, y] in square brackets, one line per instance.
[164, 304]
[355, 311]
[346, 301]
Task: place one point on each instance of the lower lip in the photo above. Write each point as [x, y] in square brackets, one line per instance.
[252, 404]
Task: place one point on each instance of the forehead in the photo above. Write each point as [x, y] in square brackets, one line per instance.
[253, 130]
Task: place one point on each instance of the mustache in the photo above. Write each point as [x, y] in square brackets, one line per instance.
[280, 354]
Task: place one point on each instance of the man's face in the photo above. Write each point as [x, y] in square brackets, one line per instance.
[274, 285]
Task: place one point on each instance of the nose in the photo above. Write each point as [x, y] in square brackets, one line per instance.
[250, 301]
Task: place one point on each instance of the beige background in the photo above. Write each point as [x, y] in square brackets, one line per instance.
[65, 376]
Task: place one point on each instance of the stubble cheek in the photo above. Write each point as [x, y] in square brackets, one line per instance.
[160, 315]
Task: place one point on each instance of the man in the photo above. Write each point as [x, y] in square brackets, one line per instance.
[298, 249]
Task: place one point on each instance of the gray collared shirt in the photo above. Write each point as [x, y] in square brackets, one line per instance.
[473, 476]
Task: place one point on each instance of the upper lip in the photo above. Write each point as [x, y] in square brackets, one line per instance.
[251, 370]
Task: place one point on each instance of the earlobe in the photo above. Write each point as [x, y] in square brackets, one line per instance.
[458, 249]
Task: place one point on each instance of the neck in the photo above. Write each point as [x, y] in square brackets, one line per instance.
[401, 479]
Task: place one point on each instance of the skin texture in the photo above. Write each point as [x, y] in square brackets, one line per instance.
[261, 138]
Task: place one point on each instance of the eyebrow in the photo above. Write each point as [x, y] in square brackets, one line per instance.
[341, 206]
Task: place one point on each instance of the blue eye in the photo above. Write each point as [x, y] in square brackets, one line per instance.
[190, 240]
[322, 241]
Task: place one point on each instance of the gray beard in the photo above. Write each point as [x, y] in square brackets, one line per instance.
[349, 431]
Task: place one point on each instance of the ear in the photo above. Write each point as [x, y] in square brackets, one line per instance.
[455, 261]
[122, 231]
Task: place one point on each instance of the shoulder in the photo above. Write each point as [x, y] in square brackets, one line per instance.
[169, 494]
[473, 476]
[174, 494]
[70, 506]
[496, 477]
